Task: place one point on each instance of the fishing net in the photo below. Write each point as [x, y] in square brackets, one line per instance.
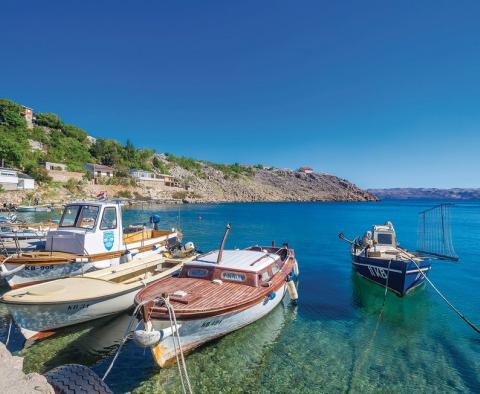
[435, 234]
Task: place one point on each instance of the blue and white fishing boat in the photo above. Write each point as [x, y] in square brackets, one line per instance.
[377, 256]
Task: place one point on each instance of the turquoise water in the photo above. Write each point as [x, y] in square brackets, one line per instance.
[328, 343]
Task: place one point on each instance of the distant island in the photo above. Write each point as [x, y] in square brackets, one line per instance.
[410, 193]
[45, 159]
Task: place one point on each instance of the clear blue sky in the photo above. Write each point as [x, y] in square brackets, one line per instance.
[383, 93]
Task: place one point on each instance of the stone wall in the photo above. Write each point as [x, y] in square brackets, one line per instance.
[64, 176]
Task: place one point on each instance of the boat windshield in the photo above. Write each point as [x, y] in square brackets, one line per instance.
[385, 239]
[81, 216]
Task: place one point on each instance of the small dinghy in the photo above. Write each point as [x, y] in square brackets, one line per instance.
[41, 309]
[215, 294]
[34, 208]
[377, 256]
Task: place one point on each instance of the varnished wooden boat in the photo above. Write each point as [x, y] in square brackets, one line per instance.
[39, 310]
[215, 294]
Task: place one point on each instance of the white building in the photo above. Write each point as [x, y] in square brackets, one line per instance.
[25, 182]
[11, 179]
[99, 170]
[148, 176]
[55, 166]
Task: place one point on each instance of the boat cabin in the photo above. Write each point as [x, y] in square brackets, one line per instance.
[252, 267]
[88, 228]
[384, 235]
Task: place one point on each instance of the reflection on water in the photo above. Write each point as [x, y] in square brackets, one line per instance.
[328, 343]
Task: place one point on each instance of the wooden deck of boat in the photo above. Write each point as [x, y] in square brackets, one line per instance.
[204, 296]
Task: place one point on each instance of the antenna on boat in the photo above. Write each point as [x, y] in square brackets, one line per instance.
[222, 245]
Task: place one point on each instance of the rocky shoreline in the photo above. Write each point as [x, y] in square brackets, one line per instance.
[14, 381]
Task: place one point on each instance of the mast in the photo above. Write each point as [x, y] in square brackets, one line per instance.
[222, 245]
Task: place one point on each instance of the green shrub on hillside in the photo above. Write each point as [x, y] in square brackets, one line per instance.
[233, 170]
[11, 114]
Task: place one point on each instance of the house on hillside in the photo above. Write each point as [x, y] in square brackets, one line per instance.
[99, 170]
[28, 115]
[148, 176]
[305, 170]
[25, 182]
[12, 179]
[49, 166]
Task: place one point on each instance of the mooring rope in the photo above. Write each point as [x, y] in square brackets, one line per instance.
[9, 331]
[461, 315]
[374, 332]
[176, 337]
[124, 339]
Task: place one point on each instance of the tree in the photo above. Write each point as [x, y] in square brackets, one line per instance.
[11, 114]
[49, 120]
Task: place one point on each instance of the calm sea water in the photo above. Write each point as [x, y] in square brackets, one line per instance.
[329, 341]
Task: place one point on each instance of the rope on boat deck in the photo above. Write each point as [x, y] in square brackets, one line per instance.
[374, 332]
[461, 315]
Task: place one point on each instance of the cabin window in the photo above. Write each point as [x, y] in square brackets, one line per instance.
[109, 219]
[385, 239]
[233, 276]
[69, 216]
[197, 273]
[83, 216]
[265, 276]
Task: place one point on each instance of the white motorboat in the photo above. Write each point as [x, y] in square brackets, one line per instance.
[89, 236]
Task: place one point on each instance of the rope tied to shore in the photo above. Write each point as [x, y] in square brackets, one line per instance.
[461, 315]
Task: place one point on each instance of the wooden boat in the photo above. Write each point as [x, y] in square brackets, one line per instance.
[215, 294]
[89, 236]
[41, 309]
[377, 257]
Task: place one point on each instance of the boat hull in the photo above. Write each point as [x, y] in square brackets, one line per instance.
[403, 276]
[195, 332]
[40, 320]
[41, 271]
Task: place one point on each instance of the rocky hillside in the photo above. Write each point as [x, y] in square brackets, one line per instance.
[426, 193]
[28, 140]
[256, 184]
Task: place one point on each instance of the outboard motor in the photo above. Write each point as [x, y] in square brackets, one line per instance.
[155, 219]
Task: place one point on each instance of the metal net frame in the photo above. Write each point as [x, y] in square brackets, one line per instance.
[434, 235]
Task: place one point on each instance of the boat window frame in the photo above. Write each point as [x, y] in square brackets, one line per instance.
[103, 216]
[240, 274]
[80, 209]
[392, 239]
[205, 270]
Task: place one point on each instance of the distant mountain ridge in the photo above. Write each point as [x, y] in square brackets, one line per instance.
[410, 193]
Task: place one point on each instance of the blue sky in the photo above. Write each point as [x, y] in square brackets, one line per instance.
[385, 94]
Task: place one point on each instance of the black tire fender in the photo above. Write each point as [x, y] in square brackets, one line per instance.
[76, 379]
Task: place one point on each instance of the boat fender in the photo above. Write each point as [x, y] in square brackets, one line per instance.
[102, 264]
[146, 338]
[217, 282]
[292, 290]
[271, 295]
[81, 260]
[295, 268]
[189, 247]
[128, 256]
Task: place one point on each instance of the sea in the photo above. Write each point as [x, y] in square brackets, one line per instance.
[337, 339]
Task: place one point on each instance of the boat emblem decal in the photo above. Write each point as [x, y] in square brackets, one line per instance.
[108, 239]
